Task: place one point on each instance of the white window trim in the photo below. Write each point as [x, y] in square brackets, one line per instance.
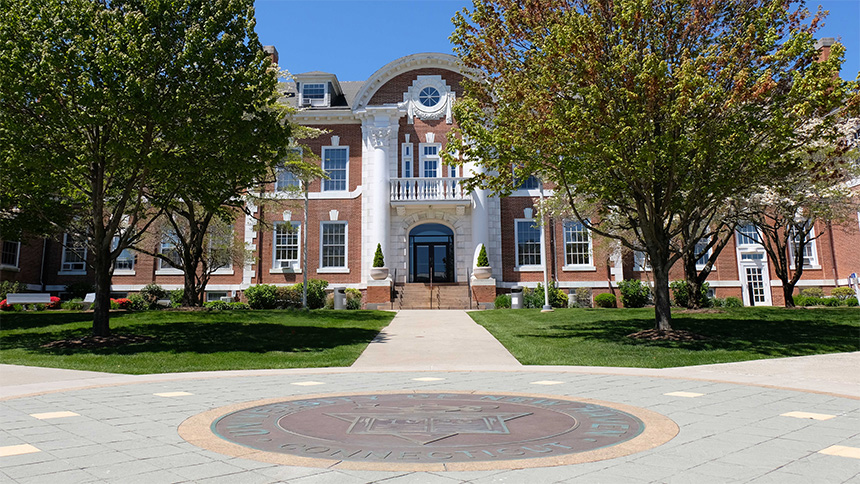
[162, 269]
[123, 272]
[315, 102]
[63, 259]
[345, 191]
[335, 270]
[641, 262]
[228, 269]
[706, 254]
[577, 267]
[422, 158]
[526, 267]
[747, 247]
[813, 247]
[295, 267]
[17, 265]
[404, 158]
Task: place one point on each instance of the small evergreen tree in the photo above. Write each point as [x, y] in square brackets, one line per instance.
[483, 261]
[378, 259]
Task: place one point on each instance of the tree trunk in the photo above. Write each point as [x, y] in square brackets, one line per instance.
[101, 306]
[662, 306]
[787, 293]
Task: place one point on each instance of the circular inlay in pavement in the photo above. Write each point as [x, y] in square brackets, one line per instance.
[428, 431]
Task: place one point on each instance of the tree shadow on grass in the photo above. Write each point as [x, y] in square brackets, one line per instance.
[28, 320]
[203, 338]
[772, 337]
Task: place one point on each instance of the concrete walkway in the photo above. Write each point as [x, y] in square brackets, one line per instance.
[790, 420]
[435, 340]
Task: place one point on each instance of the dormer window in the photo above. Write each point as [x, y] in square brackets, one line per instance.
[315, 94]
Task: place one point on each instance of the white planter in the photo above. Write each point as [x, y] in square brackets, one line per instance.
[482, 272]
[378, 273]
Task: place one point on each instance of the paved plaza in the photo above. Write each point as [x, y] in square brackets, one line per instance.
[793, 420]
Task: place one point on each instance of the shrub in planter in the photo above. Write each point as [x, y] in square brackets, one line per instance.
[681, 293]
[38, 307]
[113, 304]
[503, 301]
[216, 305]
[733, 302]
[831, 301]
[634, 293]
[123, 303]
[55, 303]
[18, 308]
[557, 298]
[289, 296]
[812, 292]
[262, 296]
[378, 259]
[316, 292]
[239, 306]
[842, 293]
[605, 300]
[483, 260]
[581, 298]
[851, 301]
[176, 296]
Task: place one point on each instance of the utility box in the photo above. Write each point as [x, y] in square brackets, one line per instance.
[517, 297]
[340, 298]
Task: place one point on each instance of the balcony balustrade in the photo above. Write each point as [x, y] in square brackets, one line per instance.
[428, 189]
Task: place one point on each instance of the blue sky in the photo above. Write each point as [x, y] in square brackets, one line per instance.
[353, 39]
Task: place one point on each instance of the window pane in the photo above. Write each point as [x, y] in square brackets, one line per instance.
[334, 245]
[747, 235]
[168, 249]
[702, 251]
[528, 243]
[313, 91]
[577, 249]
[286, 180]
[286, 243]
[334, 164]
[74, 253]
[10, 253]
[430, 167]
[125, 260]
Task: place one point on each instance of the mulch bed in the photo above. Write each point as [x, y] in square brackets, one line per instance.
[94, 342]
[671, 335]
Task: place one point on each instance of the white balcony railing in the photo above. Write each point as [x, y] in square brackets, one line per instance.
[427, 189]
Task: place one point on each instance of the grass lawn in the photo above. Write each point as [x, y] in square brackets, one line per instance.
[597, 337]
[194, 340]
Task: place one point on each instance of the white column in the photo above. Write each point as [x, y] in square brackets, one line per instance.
[480, 213]
[378, 139]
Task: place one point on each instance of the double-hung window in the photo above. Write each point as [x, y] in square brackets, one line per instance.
[221, 250]
[335, 163]
[641, 262]
[703, 252]
[125, 260]
[169, 249]
[285, 179]
[429, 160]
[406, 154]
[748, 235]
[528, 244]
[314, 94]
[333, 245]
[74, 253]
[286, 245]
[810, 255]
[577, 245]
[11, 253]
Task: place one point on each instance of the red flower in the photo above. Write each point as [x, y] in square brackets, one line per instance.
[54, 304]
[4, 306]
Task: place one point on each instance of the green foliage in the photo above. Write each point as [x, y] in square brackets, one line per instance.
[262, 296]
[353, 298]
[226, 306]
[176, 296]
[503, 301]
[812, 292]
[557, 298]
[842, 293]
[152, 293]
[732, 302]
[605, 300]
[483, 260]
[267, 296]
[634, 293]
[73, 305]
[582, 298]
[138, 302]
[79, 289]
[378, 259]
[681, 293]
[13, 287]
[851, 301]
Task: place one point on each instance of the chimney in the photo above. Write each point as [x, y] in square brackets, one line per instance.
[823, 46]
[273, 53]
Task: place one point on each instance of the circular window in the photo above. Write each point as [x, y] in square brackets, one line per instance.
[429, 96]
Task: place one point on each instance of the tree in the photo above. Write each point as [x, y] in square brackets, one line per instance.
[645, 115]
[786, 213]
[104, 105]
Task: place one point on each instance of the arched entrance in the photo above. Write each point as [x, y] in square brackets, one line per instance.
[431, 253]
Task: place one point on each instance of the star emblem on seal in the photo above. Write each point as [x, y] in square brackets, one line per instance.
[423, 424]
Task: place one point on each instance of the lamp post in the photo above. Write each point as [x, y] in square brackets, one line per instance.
[547, 308]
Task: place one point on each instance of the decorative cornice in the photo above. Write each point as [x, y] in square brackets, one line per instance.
[401, 65]
[377, 137]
